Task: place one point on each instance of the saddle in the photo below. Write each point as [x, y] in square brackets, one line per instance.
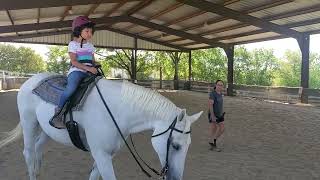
[50, 90]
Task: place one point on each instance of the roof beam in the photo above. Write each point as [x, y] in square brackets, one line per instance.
[26, 36]
[175, 32]
[251, 10]
[291, 25]
[107, 47]
[11, 20]
[211, 21]
[57, 24]
[103, 20]
[146, 39]
[269, 18]
[106, 27]
[261, 40]
[189, 16]
[198, 13]
[295, 12]
[93, 8]
[221, 10]
[65, 13]
[31, 4]
[138, 7]
[38, 15]
[158, 14]
[165, 11]
[115, 8]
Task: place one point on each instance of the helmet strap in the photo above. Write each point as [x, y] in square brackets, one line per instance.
[82, 39]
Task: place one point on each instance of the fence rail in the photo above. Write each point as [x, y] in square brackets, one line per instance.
[282, 94]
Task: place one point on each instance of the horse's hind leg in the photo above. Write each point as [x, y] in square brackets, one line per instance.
[40, 142]
[30, 127]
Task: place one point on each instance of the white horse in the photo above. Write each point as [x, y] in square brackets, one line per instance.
[135, 109]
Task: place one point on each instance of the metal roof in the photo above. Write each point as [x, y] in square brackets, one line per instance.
[173, 25]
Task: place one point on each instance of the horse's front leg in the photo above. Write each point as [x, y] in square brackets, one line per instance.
[103, 161]
[94, 174]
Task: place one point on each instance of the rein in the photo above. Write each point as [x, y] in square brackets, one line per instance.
[172, 128]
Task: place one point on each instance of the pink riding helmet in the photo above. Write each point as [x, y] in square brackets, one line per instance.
[81, 21]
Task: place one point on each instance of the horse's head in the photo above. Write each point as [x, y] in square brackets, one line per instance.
[171, 142]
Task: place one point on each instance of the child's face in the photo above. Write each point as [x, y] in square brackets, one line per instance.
[86, 33]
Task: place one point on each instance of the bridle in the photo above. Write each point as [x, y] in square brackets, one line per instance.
[172, 128]
[162, 174]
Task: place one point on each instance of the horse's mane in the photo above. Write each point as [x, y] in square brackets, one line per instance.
[149, 101]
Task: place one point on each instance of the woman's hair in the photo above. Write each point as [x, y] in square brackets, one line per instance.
[219, 80]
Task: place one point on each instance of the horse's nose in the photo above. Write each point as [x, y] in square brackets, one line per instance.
[173, 176]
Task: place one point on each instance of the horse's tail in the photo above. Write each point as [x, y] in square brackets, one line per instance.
[11, 136]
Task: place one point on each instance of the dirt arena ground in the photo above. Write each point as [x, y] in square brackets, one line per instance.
[262, 141]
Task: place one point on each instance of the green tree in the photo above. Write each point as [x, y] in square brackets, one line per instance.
[58, 59]
[289, 73]
[290, 69]
[314, 70]
[209, 65]
[255, 68]
[123, 59]
[23, 60]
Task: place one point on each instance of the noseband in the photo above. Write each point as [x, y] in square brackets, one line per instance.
[171, 128]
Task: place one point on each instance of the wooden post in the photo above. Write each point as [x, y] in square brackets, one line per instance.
[230, 54]
[134, 61]
[160, 76]
[304, 44]
[190, 70]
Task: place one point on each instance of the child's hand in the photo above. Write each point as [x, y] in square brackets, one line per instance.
[93, 70]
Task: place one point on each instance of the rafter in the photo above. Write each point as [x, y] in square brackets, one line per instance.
[57, 24]
[290, 25]
[295, 12]
[65, 13]
[217, 20]
[31, 4]
[192, 15]
[106, 27]
[138, 7]
[93, 8]
[251, 10]
[261, 39]
[184, 18]
[115, 8]
[11, 20]
[175, 32]
[158, 14]
[38, 15]
[145, 38]
[221, 10]
[103, 20]
[269, 18]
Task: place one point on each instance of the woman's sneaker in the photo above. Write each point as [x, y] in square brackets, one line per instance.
[213, 147]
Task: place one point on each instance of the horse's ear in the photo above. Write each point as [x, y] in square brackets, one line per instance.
[195, 117]
[182, 114]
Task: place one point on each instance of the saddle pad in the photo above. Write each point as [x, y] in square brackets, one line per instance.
[51, 88]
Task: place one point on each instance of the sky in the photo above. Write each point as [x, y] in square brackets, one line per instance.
[279, 46]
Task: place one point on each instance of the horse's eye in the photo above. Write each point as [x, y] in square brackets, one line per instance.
[176, 146]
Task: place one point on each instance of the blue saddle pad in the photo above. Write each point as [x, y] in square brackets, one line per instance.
[51, 88]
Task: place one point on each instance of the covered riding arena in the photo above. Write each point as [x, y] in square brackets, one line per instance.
[263, 140]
